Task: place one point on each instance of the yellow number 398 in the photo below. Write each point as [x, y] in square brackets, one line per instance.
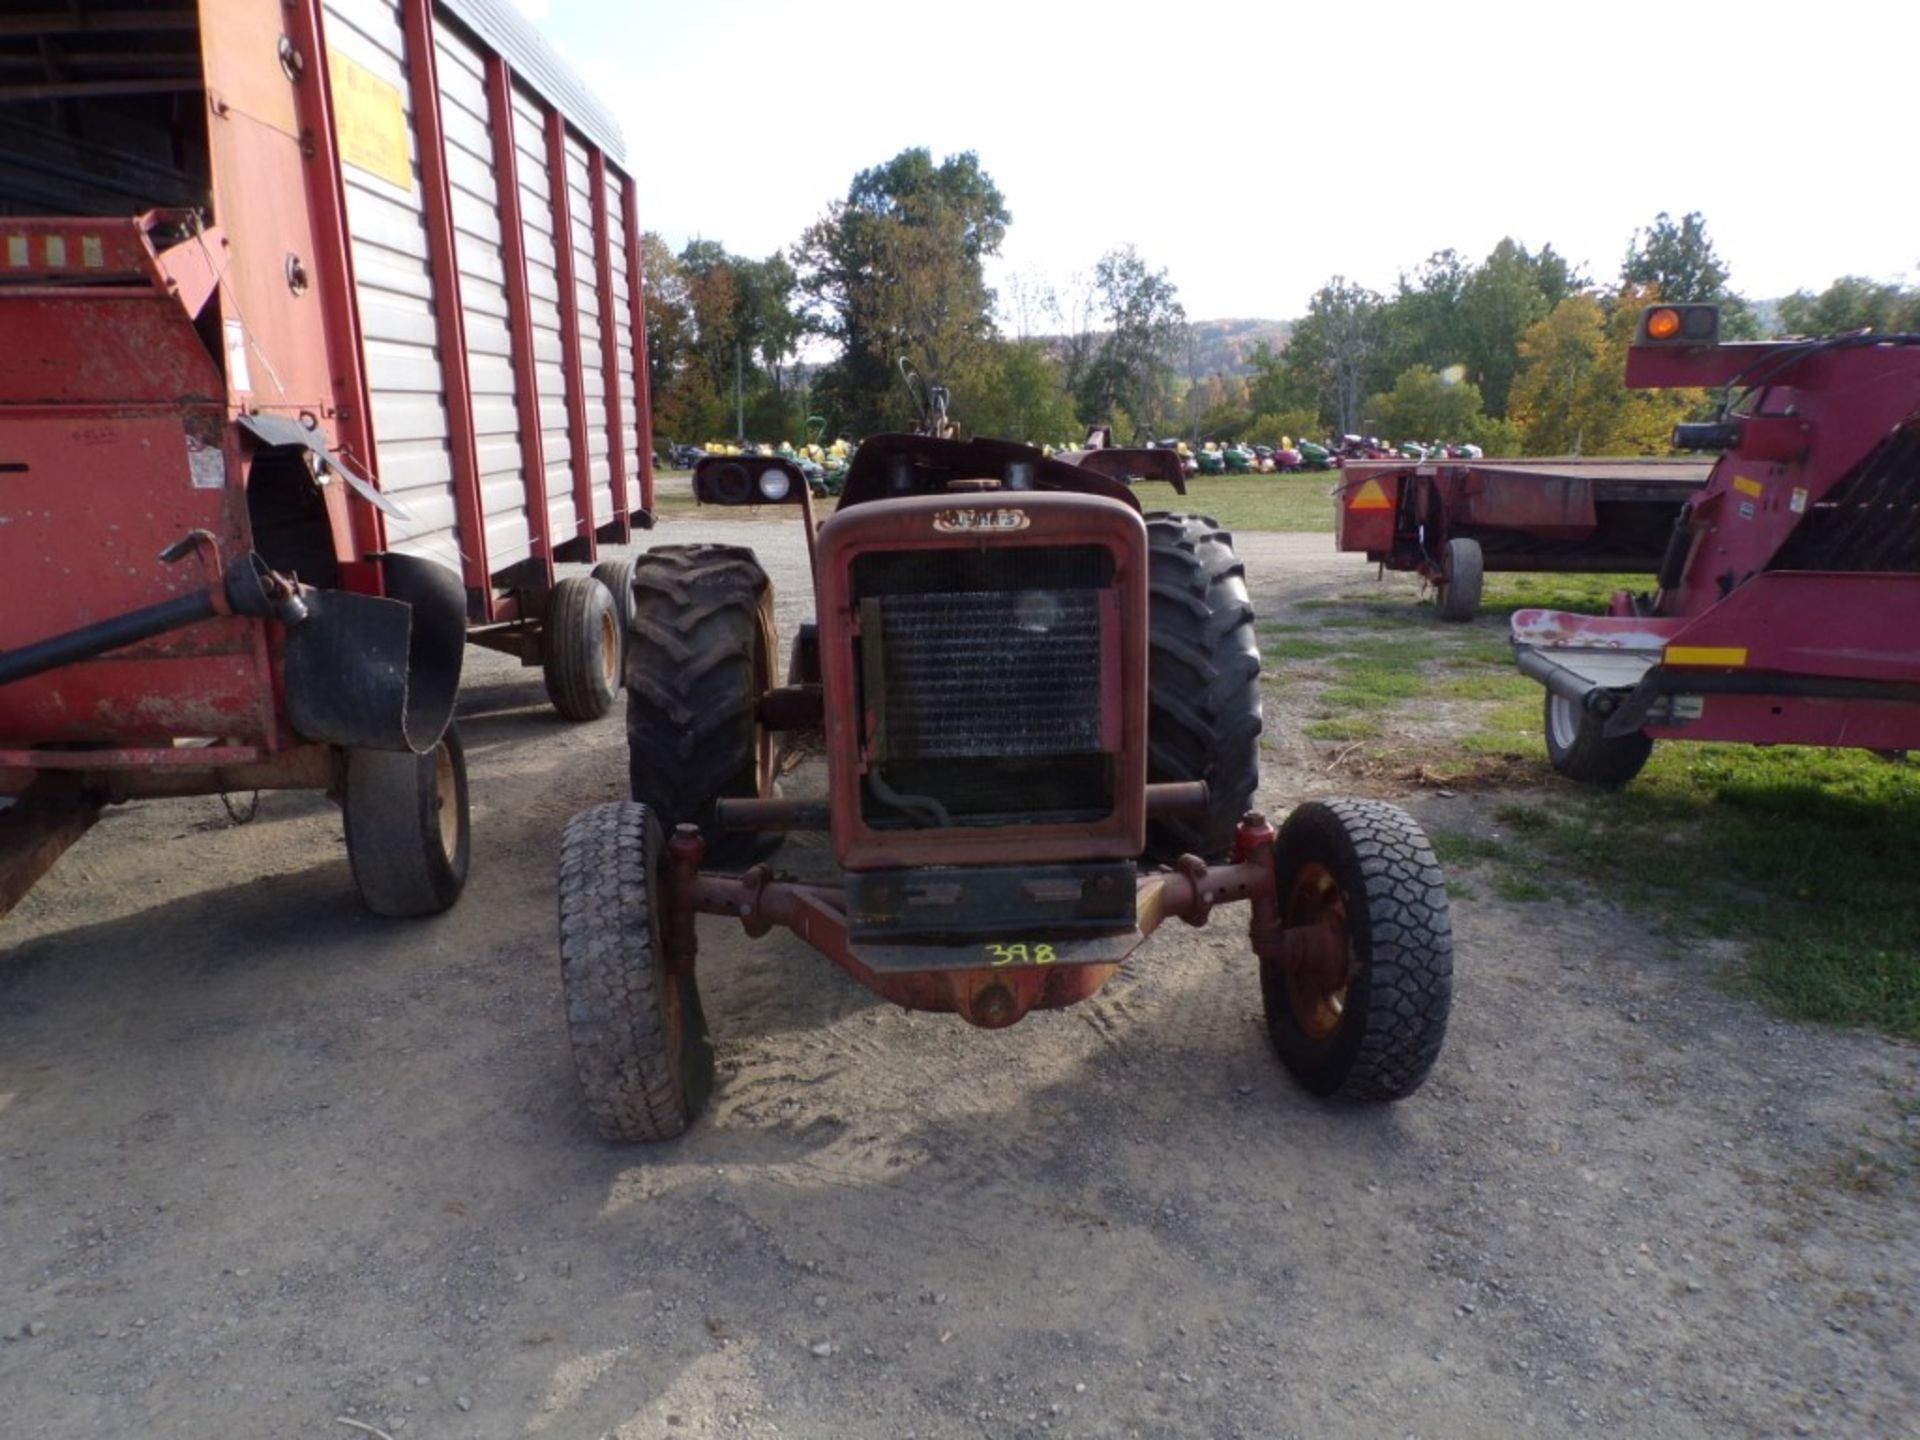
[1020, 954]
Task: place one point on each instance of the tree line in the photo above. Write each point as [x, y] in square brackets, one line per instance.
[1520, 352]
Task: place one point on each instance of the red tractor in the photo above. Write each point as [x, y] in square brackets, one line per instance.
[1788, 607]
[1041, 718]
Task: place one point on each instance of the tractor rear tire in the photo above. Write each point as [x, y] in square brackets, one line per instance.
[700, 654]
[1462, 579]
[1580, 749]
[639, 1037]
[409, 833]
[580, 643]
[1363, 869]
[1203, 682]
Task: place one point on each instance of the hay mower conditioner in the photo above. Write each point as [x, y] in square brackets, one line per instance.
[1788, 607]
[1041, 715]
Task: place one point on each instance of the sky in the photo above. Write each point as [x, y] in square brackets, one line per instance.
[1256, 150]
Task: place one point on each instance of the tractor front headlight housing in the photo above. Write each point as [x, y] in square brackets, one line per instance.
[774, 483]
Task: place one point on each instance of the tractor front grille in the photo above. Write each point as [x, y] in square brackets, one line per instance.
[981, 684]
[1870, 521]
[987, 674]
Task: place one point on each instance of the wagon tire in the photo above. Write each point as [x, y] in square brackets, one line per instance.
[1462, 579]
[1580, 749]
[580, 647]
[700, 655]
[1203, 682]
[639, 1037]
[409, 834]
[1368, 1021]
[617, 576]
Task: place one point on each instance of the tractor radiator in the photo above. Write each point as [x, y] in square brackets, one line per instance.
[1870, 521]
[982, 684]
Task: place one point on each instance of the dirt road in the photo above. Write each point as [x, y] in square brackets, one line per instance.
[266, 1162]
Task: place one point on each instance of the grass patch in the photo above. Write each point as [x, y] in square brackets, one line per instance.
[1295, 648]
[1809, 858]
[1292, 503]
[1343, 728]
[1583, 594]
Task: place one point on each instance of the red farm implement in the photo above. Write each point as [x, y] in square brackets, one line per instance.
[1788, 607]
[1451, 521]
[321, 324]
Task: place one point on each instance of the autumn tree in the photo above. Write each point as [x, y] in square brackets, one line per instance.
[1571, 397]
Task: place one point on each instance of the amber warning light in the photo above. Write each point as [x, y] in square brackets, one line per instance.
[1680, 325]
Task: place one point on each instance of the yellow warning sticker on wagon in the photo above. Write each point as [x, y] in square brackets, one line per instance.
[1369, 497]
[370, 121]
[1747, 486]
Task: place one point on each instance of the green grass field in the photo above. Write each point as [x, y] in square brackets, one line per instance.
[1810, 859]
[1239, 502]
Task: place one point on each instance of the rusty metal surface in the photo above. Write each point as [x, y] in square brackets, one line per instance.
[990, 982]
[134, 774]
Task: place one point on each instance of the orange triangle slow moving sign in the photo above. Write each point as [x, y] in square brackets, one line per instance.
[1369, 497]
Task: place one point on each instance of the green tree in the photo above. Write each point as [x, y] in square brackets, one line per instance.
[850, 257]
[1677, 260]
[1851, 303]
[1427, 404]
[1332, 355]
[1503, 299]
[1015, 391]
[1133, 366]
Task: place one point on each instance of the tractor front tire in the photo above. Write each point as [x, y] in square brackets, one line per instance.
[1580, 749]
[409, 836]
[1462, 579]
[639, 1037]
[1203, 682]
[700, 654]
[1366, 1023]
[580, 648]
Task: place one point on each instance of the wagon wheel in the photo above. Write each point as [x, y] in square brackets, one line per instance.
[580, 648]
[408, 829]
[1357, 1001]
[639, 1037]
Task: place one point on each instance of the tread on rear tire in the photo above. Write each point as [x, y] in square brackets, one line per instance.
[1203, 681]
[700, 654]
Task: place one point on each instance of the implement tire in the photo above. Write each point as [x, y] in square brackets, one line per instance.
[1203, 682]
[640, 1043]
[700, 654]
[1462, 579]
[1580, 749]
